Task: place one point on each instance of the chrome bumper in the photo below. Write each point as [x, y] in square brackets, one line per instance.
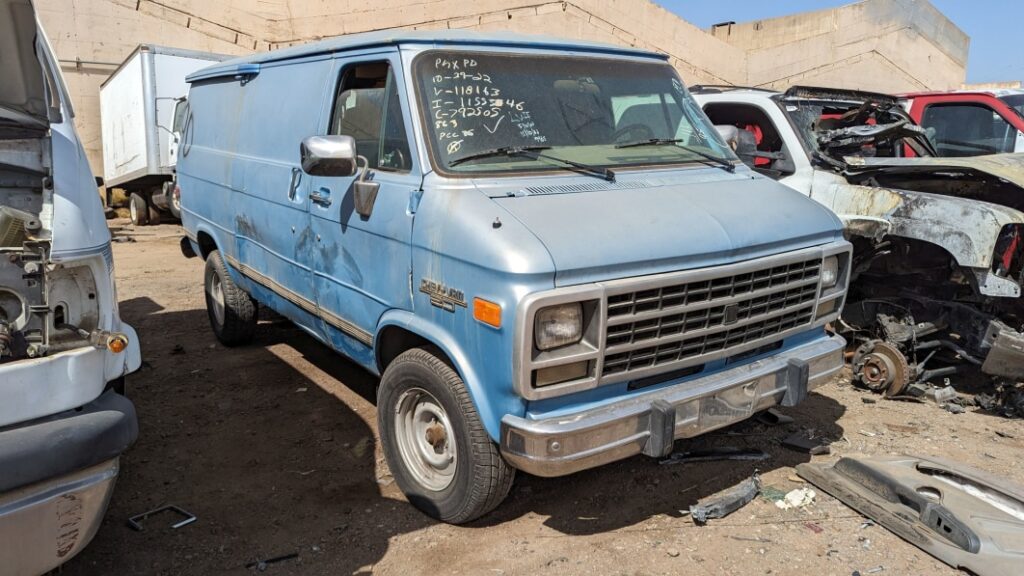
[45, 524]
[649, 423]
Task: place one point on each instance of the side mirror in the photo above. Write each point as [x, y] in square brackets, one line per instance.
[328, 155]
[99, 181]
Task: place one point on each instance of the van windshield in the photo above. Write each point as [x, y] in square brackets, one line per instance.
[575, 109]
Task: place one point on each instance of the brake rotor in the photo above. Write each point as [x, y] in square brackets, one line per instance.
[881, 367]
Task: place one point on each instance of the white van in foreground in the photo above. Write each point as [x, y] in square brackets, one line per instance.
[63, 349]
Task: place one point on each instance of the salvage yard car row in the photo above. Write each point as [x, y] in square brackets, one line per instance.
[552, 254]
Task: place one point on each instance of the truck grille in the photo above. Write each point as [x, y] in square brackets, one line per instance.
[707, 319]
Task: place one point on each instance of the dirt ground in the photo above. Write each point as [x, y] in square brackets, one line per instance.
[274, 447]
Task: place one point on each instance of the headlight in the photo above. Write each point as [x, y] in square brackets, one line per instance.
[556, 326]
[830, 272]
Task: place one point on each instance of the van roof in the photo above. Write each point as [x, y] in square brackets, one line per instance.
[250, 64]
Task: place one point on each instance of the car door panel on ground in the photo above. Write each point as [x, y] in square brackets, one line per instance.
[361, 261]
[271, 200]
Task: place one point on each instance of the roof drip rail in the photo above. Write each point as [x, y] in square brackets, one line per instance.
[720, 88]
[242, 72]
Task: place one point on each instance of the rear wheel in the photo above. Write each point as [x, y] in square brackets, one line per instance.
[138, 209]
[173, 200]
[435, 445]
[232, 312]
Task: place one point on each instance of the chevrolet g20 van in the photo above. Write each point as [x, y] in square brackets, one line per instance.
[542, 246]
[63, 348]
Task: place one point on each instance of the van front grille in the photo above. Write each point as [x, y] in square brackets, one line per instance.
[678, 324]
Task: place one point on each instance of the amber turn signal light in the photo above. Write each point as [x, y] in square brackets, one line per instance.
[117, 343]
[487, 312]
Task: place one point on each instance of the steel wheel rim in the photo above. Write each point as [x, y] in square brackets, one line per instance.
[425, 439]
[217, 298]
[133, 211]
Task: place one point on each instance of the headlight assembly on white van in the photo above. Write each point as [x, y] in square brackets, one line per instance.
[559, 325]
[829, 272]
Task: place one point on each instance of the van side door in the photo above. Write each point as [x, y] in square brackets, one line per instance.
[269, 210]
[362, 224]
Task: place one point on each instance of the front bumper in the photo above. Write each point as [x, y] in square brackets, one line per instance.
[648, 423]
[56, 478]
[36, 387]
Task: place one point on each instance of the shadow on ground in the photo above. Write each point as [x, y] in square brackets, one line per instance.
[272, 446]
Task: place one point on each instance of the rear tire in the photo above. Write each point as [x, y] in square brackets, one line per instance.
[154, 215]
[433, 440]
[233, 313]
[138, 209]
[173, 203]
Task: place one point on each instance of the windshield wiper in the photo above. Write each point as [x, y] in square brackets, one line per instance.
[533, 152]
[723, 163]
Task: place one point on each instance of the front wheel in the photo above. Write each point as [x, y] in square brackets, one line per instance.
[232, 312]
[433, 440]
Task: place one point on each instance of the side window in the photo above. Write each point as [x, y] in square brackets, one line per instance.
[367, 108]
[755, 139]
[968, 129]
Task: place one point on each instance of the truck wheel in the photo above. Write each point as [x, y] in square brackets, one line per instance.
[173, 202]
[154, 215]
[232, 312]
[138, 209]
[434, 443]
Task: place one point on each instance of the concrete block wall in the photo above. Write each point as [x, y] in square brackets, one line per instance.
[882, 45]
[866, 45]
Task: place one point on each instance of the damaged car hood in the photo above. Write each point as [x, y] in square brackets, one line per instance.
[23, 91]
[1009, 167]
[960, 204]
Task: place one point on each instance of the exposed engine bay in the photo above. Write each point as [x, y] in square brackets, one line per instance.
[938, 249]
[44, 307]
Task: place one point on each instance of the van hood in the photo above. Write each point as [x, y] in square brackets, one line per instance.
[23, 90]
[640, 225]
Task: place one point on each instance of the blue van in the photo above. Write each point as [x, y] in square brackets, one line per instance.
[542, 246]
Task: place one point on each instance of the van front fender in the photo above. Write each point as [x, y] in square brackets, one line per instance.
[492, 399]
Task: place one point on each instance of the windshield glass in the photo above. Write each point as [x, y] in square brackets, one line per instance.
[1016, 102]
[576, 109]
[834, 130]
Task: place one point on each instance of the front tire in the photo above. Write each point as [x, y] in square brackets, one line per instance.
[433, 440]
[232, 312]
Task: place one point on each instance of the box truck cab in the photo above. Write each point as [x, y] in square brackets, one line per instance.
[541, 245]
[63, 349]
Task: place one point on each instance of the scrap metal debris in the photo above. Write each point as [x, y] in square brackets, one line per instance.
[712, 454]
[805, 441]
[965, 518]
[726, 502]
[135, 521]
[261, 565]
[1007, 400]
[798, 498]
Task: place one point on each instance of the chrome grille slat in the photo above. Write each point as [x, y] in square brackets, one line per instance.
[679, 322]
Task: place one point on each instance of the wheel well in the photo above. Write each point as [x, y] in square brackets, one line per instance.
[393, 340]
[206, 244]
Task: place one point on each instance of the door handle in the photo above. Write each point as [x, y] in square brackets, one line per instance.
[321, 197]
[293, 186]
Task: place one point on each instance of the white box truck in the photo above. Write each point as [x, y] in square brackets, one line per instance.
[142, 112]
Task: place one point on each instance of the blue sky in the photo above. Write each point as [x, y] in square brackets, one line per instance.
[993, 25]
